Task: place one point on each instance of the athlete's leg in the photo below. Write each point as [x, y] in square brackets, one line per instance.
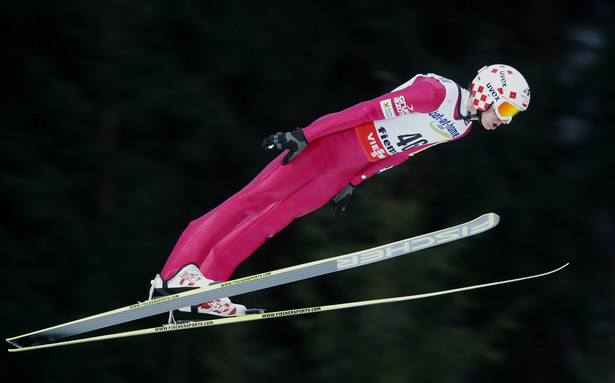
[271, 186]
[239, 244]
[334, 169]
[203, 233]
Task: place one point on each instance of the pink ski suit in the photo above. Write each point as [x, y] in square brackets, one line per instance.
[345, 147]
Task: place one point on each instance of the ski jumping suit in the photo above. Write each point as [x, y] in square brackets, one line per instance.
[345, 147]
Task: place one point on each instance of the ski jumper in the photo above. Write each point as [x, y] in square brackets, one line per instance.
[344, 147]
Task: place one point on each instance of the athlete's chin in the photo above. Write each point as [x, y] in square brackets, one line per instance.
[490, 126]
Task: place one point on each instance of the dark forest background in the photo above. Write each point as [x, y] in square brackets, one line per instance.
[124, 120]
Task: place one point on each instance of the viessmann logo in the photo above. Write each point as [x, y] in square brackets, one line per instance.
[377, 151]
[370, 143]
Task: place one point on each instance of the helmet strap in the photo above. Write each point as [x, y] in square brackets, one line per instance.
[477, 115]
[474, 117]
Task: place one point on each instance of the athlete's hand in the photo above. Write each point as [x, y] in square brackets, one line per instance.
[339, 202]
[295, 142]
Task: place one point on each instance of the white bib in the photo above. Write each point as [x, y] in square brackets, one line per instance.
[393, 135]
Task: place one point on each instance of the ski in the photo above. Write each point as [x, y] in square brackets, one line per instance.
[190, 325]
[256, 282]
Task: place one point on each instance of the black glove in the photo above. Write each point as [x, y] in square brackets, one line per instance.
[339, 202]
[295, 142]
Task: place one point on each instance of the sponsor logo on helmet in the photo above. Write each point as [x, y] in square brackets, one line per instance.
[526, 92]
[494, 93]
[503, 76]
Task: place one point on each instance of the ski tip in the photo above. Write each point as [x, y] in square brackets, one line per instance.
[563, 266]
[484, 222]
[555, 270]
[494, 217]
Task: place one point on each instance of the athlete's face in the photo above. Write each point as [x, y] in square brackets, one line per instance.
[489, 120]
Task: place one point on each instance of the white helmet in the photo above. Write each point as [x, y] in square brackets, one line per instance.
[503, 87]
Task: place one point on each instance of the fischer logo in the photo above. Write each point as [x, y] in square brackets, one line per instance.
[414, 244]
[245, 279]
[154, 301]
[291, 312]
[173, 327]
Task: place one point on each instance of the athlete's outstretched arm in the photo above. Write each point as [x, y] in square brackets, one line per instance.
[423, 96]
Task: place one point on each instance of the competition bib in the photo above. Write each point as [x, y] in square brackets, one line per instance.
[382, 138]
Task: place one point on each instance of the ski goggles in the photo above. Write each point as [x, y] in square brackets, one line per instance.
[505, 110]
